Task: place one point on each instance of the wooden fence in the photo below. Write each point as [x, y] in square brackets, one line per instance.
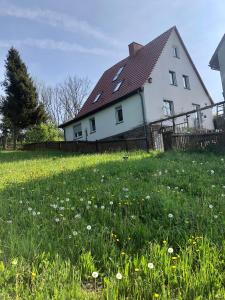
[198, 141]
[90, 147]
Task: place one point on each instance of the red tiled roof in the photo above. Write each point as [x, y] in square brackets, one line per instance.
[136, 71]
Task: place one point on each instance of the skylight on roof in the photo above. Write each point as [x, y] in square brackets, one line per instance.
[118, 73]
[118, 85]
[97, 97]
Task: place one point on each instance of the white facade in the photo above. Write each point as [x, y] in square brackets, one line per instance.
[105, 121]
[154, 94]
[160, 89]
[221, 59]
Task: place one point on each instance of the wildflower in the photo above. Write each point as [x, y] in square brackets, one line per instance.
[70, 236]
[125, 189]
[102, 207]
[213, 185]
[34, 213]
[170, 250]
[95, 206]
[88, 227]
[81, 199]
[215, 216]
[14, 262]
[210, 206]
[33, 274]
[38, 213]
[111, 202]
[88, 207]
[9, 221]
[147, 197]
[164, 242]
[123, 253]
[89, 202]
[155, 296]
[67, 199]
[174, 258]
[20, 201]
[75, 233]
[57, 220]
[119, 276]
[29, 208]
[95, 274]
[173, 267]
[212, 172]
[61, 208]
[136, 270]
[170, 216]
[150, 265]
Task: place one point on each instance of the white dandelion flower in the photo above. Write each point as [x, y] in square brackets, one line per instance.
[89, 202]
[88, 227]
[150, 265]
[111, 202]
[170, 250]
[29, 208]
[102, 207]
[147, 197]
[75, 233]
[95, 274]
[212, 172]
[119, 276]
[210, 206]
[170, 216]
[57, 220]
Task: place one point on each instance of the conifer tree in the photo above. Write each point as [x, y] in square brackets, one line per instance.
[20, 105]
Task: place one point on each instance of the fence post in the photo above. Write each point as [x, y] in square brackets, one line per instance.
[96, 146]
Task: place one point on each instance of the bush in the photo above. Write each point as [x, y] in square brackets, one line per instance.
[43, 133]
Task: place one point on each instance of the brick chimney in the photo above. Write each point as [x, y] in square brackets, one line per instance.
[133, 48]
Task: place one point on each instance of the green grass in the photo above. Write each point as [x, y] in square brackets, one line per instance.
[136, 210]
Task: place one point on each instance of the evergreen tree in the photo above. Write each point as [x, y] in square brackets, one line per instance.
[20, 106]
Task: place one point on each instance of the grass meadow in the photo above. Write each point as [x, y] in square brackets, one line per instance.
[102, 227]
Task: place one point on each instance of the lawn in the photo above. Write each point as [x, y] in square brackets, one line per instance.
[103, 227]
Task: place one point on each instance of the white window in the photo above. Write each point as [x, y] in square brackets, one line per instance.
[118, 73]
[77, 129]
[168, 108]
[186, 82]
[176, 52]
[118, 85]
[119, 114]
[97, 97]
[173, 78]
[92, 125]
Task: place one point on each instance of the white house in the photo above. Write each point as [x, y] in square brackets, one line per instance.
[155, 81]
[217, 61]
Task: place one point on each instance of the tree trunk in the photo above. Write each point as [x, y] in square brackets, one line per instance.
[14, 137]
[4, 142]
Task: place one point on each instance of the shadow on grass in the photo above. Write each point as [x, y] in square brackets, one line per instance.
[14, 156]
[135, 219]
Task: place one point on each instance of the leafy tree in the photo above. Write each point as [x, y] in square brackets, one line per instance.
[43, 132]
[20, 105]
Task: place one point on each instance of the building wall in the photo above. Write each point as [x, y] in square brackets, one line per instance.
[105, 121]
[160, 88]
[221, 58]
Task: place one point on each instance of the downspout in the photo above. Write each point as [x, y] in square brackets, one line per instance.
[144, 118]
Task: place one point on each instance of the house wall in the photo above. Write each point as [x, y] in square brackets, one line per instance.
[160, 88]
[221, 58]
[105, 121]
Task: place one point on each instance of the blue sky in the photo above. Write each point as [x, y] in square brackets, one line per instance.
[83, 38]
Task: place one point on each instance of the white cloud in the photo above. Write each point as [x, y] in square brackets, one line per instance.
[56, 19]
[54, 45]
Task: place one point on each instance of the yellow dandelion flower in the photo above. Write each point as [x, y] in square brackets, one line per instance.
[164, 242]
[33, 274]
[156, 296]
[136, 269]
[123, 253]
[174, 257]
[173, 267]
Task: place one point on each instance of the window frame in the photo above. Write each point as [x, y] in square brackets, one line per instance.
[176, 52]
[78, 136]
[91, 127]
[171, 108]
[173, 78]
[117, 109]
[97, 97]
[117, 86]
[120, 70]
[186, 82]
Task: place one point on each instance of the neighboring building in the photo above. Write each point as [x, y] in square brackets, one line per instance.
[217, 61]
[155, 81]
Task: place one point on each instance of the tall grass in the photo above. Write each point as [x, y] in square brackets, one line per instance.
[101, 227]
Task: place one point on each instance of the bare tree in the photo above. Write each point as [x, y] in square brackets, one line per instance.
[64, 101]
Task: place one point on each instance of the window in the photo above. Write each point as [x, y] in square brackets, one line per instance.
[186, 82]
[92, 125]
[77, 131]
[118, 73]
[117, 86]
[97, 97]
[176, 52]
[168, 108]
[173, 79]
[119, 114]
